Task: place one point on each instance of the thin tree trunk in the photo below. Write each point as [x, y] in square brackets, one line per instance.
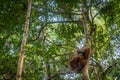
[85, 24]
[47, 65]
[22, 51]
[85, 21]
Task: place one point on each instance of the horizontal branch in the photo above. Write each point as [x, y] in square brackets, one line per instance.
[69, 13]
[60, 73]
[64, 22]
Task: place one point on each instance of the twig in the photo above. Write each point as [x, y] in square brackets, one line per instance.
[104, 43]
[109, 68]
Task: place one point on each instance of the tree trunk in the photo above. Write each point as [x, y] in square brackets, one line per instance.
[85, 25]
[22, 51]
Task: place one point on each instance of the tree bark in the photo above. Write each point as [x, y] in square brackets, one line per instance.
[22, 51]
[85, 25]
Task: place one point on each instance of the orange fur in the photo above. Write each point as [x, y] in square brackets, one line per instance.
[79, 61]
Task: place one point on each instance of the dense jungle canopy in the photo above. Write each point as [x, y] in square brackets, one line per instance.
[56, 30]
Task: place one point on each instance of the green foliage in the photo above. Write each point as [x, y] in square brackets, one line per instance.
[12, 14]
[67, 5]
[8, 66]
[58, 19]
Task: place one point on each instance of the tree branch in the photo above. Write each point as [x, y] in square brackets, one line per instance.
[109, 68]
[60, 73]
[104, 43]
[64, 22]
